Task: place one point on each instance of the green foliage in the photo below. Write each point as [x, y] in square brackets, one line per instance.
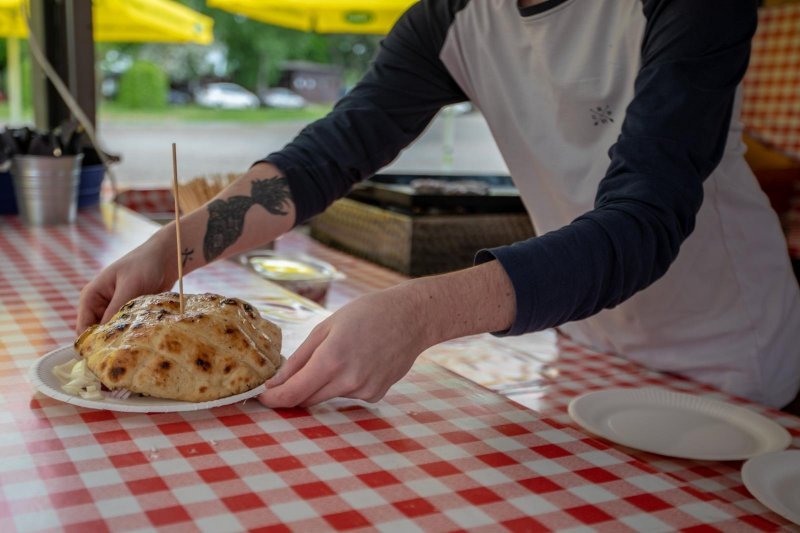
[256, 51]
[192, 113]
[353, 53]
[143, 86]
[25, 68]
[253, 51]
[27, 84]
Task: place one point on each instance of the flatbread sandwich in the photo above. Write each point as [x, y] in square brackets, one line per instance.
[218, 347]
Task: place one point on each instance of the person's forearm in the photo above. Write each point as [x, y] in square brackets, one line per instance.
[252, 211]
[479, 299]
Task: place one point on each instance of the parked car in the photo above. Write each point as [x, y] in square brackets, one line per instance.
[226, 95]
[179, 97]
[283, 98]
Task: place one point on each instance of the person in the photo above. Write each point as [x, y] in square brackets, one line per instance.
[618, 120]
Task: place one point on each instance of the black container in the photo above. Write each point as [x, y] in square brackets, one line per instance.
[394, 191]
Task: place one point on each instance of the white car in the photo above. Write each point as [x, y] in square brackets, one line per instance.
[226, 96]
[283, 98]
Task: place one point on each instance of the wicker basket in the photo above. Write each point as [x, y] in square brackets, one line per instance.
[415, 245]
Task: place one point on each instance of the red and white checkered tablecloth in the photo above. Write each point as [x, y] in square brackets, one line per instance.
[148, 201]
[771, 106]
[439, 453]
[544, 371]
[793, 223]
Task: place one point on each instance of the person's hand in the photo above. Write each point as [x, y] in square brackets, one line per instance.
[369, 344]
[145, 270]
[358, 352]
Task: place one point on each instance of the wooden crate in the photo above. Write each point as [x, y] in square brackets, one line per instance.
[415, 245]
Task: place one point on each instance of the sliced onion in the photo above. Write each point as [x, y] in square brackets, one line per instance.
[120, 394]
[78, 380]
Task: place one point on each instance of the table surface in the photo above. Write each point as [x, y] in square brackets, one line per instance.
[440, 452]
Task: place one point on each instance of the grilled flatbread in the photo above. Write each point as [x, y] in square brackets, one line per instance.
[218, 347]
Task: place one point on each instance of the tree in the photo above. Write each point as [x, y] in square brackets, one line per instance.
[143, 86]
[255, 51]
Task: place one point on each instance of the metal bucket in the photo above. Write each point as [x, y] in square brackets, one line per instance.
[46, 188]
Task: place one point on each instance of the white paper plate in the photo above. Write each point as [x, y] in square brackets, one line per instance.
[41, 376]
[774, 479]
[678, 425]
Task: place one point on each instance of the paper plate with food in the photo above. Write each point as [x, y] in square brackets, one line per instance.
[150, 357]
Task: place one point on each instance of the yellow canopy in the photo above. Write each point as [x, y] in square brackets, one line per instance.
[127, 21]
[11, 22]
[321, 16]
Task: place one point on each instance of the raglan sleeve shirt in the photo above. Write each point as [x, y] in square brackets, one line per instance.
[693, 57]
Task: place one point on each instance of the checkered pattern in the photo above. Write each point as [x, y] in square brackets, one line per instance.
[544, 371]
[147, 201]
[771, 107]
[793, 222]
[439, 453]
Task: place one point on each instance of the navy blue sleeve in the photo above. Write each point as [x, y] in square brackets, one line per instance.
[394, 102]
[694, 55]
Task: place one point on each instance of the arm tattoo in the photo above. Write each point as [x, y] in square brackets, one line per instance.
[271, 194]
[226, 217]
[225, 224]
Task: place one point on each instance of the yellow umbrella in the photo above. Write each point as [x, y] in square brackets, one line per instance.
[12, 24]
[127, 21]
[150, 21]
[321, 16]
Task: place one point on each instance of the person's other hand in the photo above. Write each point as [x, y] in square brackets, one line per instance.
[144, 270]
[358, 352]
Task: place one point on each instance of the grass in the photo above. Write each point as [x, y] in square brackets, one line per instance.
[193, 113]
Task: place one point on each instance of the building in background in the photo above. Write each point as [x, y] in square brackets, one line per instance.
[313, 81]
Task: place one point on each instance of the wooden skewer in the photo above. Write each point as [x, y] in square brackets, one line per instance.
[177, 221]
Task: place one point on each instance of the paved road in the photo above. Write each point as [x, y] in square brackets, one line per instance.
[221, 148]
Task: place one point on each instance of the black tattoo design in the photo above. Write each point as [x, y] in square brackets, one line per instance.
[271, 194]
[226, 217]
[186, 255]
[225, 224]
